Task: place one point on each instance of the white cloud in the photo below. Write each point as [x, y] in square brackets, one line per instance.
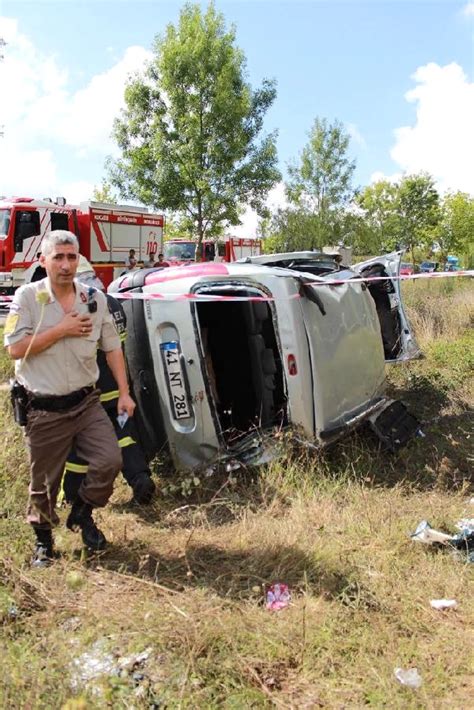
[250, 219]
[84, 119]
[468, 9]
[45, 117]
[356, 135]
[77, 191]
[378, 176]
[441, 142]
[27, 173]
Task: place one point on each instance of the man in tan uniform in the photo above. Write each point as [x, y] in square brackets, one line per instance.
[52, 331]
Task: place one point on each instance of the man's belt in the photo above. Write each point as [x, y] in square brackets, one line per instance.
[59, 403]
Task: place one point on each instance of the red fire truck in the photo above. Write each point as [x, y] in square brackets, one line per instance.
[106, 233]
[183, 251]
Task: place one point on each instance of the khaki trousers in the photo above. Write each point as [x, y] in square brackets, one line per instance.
[50, 437]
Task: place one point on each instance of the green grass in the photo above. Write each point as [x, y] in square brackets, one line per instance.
[186, 577]
[6, 363]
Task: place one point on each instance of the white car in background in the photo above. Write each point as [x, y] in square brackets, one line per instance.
[221, 356]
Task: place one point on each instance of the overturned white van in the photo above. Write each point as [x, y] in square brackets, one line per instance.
[221, 355]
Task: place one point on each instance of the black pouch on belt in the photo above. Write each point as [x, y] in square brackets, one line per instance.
[19, 400]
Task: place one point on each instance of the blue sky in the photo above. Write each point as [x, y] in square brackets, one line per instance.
[398, 74]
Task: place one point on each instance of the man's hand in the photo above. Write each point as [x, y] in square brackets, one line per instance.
[75, 325]
[126, 404]
[72, 325]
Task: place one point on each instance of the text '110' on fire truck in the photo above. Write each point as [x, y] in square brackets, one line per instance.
[106, 233]
[183, 251]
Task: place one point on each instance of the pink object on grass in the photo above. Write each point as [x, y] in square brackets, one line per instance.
[278, 597]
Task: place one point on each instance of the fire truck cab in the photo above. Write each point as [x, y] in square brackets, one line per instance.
[183, 251]
[106, 233]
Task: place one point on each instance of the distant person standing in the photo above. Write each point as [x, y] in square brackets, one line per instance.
[150, 262]
[52, 331]
[131, 262]
[161, 261]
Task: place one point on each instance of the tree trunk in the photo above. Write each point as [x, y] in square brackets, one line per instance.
[200, 234]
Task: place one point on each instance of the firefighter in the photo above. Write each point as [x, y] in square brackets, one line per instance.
[135, 468]
[39, 272]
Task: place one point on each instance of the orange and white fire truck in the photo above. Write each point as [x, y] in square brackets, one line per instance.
[183, 251]
[106, 233]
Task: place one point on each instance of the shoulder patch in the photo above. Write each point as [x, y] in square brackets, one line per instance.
[10, 323]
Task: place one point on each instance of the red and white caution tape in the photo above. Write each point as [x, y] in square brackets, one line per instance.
[6, 300]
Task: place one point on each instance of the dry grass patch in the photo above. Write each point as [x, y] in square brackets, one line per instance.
[184, 580]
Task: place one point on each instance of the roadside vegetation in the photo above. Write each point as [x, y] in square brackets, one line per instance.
[184, 582]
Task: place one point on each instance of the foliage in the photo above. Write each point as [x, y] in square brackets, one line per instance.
[404, 214]
[455, 230]
[320, 184]
[104, 193]
[177, 227]
[292, 230]
[6, 363]
[189, 134]
[418, 211]
[379, 204]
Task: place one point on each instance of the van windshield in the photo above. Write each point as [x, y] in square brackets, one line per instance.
[4, 223]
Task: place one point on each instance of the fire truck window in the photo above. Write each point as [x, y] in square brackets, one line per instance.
[4, 222]
[59, 220]
[209, 252]
[27, 224]
[221, 248]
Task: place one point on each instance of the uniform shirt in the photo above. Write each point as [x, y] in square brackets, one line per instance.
[71, 363]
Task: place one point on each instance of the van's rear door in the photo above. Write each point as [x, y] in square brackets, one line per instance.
[398, 339]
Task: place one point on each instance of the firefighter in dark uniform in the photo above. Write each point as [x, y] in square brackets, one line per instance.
[135, 468]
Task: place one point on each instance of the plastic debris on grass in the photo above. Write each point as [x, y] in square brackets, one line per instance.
[462, 542]
[93, 667]
[442, 604]
[409, 677]
[425, 533]
[278, 597]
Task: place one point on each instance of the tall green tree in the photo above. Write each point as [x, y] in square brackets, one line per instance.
[455, 230]
[321, 181]
[379, 204]
[418, 211]
[290, 230]
[190, 134]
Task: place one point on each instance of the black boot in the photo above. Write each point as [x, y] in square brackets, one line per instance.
[80, 518]
[44, 553]
[143, 489]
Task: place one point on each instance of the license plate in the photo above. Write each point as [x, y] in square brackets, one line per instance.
[171, 354]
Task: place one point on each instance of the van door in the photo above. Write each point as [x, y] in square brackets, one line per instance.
[398, 340]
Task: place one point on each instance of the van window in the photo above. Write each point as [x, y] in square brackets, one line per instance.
[221, 248]
[59, 220]
[27, 224]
